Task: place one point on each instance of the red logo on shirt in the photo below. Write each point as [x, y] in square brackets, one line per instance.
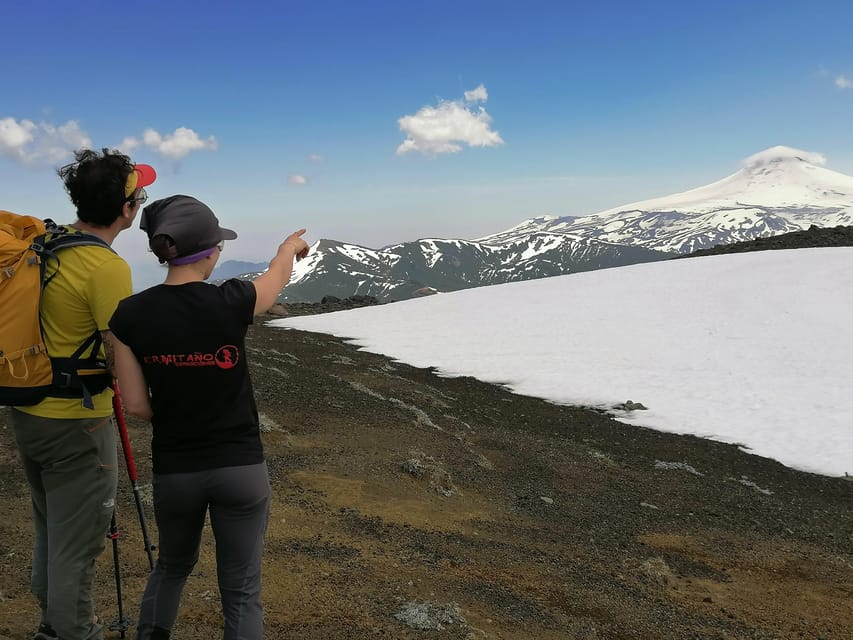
[226, 357]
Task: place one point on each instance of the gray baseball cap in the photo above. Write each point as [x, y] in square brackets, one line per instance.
[191, 225]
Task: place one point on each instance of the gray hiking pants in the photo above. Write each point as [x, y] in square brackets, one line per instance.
[238, 500]
[71, 468]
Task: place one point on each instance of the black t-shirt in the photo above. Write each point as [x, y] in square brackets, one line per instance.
[191, 342]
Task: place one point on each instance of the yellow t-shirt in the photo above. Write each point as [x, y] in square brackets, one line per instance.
[82, 297]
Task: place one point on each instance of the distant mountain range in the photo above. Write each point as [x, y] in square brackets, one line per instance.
[234, 268]
[428, 266]
[776, 191]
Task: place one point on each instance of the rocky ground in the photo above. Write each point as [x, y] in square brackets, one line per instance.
[814, 236]
[408, 505]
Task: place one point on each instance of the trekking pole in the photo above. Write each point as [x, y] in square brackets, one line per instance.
[122, 624]
[131, 472]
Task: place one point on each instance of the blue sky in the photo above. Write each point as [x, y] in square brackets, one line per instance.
[283, 115]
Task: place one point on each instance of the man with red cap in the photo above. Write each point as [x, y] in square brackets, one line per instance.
[67, 441]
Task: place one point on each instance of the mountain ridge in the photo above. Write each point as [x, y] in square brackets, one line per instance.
[776, 191]
[431, 265]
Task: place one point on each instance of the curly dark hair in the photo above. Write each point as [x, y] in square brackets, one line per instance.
[95, 182]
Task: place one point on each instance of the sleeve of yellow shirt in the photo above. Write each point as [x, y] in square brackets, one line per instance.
[108, 285]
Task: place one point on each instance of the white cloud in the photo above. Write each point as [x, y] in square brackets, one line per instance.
[477, 95]
[175, 145]
[129, 144]
[780, 153]
[14, 136]
[297, 180]
[843, 82]
[448, 125]
[315, 157]
[28, 142]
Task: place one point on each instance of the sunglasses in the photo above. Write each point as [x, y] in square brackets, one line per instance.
[140, 196]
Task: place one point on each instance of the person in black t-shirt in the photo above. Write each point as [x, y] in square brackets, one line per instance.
[181, 362]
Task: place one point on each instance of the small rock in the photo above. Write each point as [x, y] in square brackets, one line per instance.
[656, 570]
[426, 616]
[749, 483]
[413, 467]
[677, 466]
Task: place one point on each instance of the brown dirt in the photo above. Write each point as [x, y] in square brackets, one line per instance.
[395, 486]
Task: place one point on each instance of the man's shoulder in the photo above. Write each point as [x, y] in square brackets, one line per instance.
[60, 236]
[80, 266]
[72, 244]
[99, 263]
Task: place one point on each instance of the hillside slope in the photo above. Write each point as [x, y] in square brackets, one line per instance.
[810, 238]
[403, 499]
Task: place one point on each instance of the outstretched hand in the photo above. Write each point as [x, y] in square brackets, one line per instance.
[295, 241]
[269, 284]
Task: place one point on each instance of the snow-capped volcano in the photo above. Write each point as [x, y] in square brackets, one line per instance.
[777, 190]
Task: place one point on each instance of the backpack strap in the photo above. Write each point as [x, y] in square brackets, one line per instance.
[77, 375]
[55, 237]
[61, 238]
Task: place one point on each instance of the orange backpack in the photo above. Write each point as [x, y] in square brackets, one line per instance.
[27, 373]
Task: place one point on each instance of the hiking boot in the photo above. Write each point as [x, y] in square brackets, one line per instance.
[147, 632]
[45, 632]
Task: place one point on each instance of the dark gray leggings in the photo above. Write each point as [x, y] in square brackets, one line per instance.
[238, 499]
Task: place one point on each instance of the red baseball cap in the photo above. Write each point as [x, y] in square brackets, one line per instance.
[141, 176]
